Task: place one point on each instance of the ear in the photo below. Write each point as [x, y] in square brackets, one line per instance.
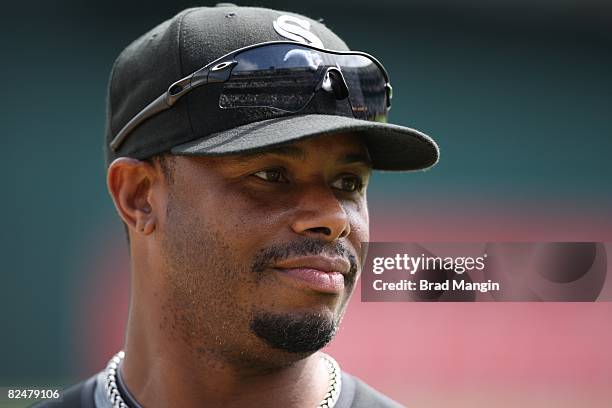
[130, 183]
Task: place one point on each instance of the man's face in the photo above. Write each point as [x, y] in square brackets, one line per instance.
[261, 252]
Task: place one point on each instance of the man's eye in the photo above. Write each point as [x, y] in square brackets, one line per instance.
[272, 175]
[348, 183]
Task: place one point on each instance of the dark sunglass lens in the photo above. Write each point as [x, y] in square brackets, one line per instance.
[286, 76]
[281, 76]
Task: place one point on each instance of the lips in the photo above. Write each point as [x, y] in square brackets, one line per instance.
[321, 263]
[318, 273]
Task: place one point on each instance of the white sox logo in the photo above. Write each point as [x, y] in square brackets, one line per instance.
[296, 29]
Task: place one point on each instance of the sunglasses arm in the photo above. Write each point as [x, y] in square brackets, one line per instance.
[218, 73]
[158, 105]
[163, 102]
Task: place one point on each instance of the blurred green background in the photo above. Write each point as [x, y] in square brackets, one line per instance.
[517, 94]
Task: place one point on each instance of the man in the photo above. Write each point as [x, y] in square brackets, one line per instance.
[240, 142]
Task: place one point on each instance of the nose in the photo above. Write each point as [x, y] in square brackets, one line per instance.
[320, 215]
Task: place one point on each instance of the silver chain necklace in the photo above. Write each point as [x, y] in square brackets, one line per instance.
[116, 400]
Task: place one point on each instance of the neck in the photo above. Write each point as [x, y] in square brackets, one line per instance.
[171, 384]
[163, 373]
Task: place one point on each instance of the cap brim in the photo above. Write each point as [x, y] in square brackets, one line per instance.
[391, 147]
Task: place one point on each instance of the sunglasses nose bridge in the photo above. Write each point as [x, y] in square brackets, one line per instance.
[334, 82]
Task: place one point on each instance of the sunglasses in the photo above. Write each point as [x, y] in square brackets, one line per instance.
[282, 75]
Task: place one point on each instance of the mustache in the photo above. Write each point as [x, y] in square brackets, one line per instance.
[266, 257]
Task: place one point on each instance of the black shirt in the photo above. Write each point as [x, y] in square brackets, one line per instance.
[353, 394]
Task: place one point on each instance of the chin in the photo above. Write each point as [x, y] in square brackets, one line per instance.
[298, 332]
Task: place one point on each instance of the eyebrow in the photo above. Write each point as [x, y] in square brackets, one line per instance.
[295, 152]
[357, 158]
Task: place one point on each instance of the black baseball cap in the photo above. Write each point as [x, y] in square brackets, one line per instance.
[197, 36]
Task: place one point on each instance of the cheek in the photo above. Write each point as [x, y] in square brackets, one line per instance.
[242, 221]
[360, 227]
[233, 208]
[359, 219]
[256, 213]
[207, 248]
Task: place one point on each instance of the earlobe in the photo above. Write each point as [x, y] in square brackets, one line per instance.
[129, 183]
[146, 225]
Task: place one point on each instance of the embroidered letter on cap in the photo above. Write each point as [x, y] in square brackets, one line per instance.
[296, 29]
